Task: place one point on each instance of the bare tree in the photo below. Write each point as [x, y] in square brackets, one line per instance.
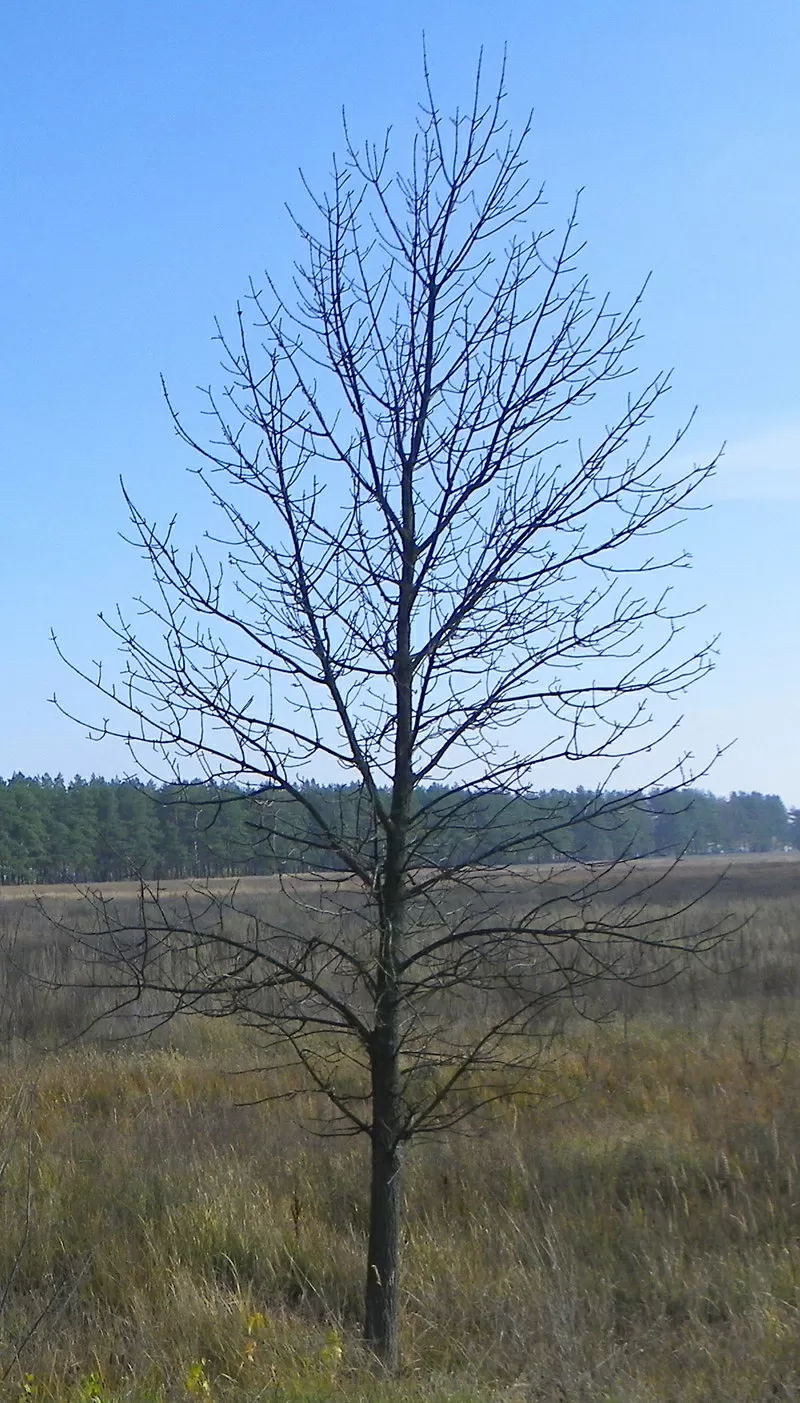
[428, 588]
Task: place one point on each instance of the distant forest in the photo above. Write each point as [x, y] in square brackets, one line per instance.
[100, 830]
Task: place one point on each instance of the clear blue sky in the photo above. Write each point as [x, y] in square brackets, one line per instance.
[148, 151]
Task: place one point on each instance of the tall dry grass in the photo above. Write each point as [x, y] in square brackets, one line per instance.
[629, 1230]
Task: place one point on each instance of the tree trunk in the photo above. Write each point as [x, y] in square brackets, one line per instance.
[381, 1294]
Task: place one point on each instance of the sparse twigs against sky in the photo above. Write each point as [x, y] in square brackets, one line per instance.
[440, 563]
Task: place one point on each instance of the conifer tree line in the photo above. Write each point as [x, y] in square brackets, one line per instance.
[101, 830]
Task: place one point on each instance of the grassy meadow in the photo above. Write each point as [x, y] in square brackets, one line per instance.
[627, 1231]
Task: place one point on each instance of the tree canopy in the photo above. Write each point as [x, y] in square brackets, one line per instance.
[100, 830]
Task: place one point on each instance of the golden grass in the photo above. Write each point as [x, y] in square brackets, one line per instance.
[641, 1240]
[631, 1236]
[761, 875]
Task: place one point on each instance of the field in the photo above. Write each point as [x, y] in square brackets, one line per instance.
[628, 1230]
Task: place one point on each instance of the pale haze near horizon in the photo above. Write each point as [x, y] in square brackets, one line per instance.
[149, 154]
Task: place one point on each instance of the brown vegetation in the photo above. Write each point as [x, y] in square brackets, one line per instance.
[740, 876]
[625, 1229]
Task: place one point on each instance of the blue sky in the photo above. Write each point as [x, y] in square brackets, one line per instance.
[148, 153]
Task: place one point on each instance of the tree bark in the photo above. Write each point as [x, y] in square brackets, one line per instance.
[381, 1294]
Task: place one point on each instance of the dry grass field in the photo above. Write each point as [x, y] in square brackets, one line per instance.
[627, 1231]
[760, 876]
